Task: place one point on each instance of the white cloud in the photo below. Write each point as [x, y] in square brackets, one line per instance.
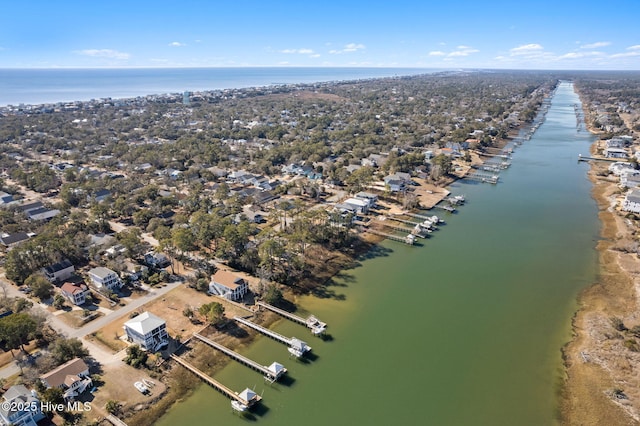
[463, 51]
[348, 48]
[572, 55]
[635, 47]
[104, 53]
[352, 47]
[315, 55]
[176, 44]
[298, 51]
[626, 54]
[526, 49]
[595, 45]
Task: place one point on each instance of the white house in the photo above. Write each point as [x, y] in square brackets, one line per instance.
[361, 206]
[75, 293]
[370, 198]
[59, 272]
[630, 178]
[148, 331]
[104, 278]
[615, 153]
[620, 167]
[631, 202]
[20, 407]
[228, 285]
[72, 377]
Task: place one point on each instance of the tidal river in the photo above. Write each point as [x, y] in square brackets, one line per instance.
[465, 330]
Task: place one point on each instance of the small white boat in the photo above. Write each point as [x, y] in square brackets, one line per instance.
[238, 406]
[295, 352]
[141, 387]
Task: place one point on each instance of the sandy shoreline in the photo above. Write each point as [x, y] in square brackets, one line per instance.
[600, 361]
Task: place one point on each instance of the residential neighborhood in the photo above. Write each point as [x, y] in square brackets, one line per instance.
[129, 226]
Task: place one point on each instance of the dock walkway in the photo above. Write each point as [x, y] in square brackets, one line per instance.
[276, 336]
[269, 375]
[316, 326]
[214, 383]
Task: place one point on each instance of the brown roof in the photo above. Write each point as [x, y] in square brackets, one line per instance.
[227, 279]
[57, 377]
[72, 288]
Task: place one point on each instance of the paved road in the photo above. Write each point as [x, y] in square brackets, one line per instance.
[99, 354]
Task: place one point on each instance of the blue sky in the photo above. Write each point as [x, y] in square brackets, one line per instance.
[560, 34]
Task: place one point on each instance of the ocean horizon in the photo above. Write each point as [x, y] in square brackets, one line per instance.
[35, 86]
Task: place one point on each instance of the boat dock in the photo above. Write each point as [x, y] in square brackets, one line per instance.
[316, 326]
[402, 229]
[291, 342]
[217, 385]
[421, 216]
[610, 160]
[271, 373]
[392, 237]
[423, 227]
[447, 208]
[482, 176]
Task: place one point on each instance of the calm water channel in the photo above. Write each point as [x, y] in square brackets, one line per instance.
[465, 330]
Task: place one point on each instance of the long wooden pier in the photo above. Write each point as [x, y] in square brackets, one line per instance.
[422, 226]
[216, 384]
[610, 160]
[268, 373]
[316, 326]
[402, 229]
[423, 217]
[291, 342]
[393, 237]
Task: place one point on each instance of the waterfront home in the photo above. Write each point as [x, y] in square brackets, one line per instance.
[20, 407]
[104, 278]
[394, 185]
[630, 179]
[620, 167]
[75, 293]
[370, 198]
[228, 285]
[59, 272]
[72, 377]
[615, 153]
[359, 205]
[147, 330]
[631, 202]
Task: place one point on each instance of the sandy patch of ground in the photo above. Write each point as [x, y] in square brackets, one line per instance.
[601, 360]
[119, 380]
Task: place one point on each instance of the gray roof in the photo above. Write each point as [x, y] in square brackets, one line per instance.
[633, 197]
[144, 323]
[57, 267]
[101, 272]
[14, 238]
